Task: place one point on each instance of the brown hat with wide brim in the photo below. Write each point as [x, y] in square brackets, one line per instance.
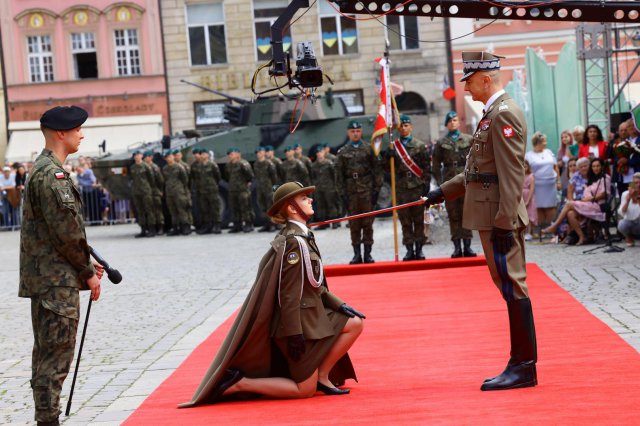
[285, 192]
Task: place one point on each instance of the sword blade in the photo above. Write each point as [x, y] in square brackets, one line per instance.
[371, 213]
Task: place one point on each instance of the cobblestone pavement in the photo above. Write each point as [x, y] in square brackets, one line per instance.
[177, 290]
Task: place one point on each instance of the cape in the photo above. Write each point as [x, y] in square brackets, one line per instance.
[248, 346]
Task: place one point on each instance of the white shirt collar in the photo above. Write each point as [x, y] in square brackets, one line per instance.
[300, 225]
[493, 98]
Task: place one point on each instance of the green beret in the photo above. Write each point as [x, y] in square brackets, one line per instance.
[167, 153]
[260, 148]
[296, 145]
[232, 149]
[136, 152]
[63, 118]
[176, 151]
[148, 154]
[288, 148]
[268, 148]
[405, 119]
[196, 150]
[354, 125]
[450, 116]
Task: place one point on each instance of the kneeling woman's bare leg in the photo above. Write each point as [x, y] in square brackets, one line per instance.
[348, 336]
[276, 387]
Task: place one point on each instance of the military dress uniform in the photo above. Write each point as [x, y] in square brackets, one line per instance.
[266, 178]
[359, 179]
[410, 187]
[54, 267]
[158, 190]
[492, 188]
[142, 186]
[323, 177]
[449, 157]
[205, 178]
[239, 176]
[177, 196]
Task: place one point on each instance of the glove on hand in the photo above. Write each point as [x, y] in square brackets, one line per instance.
[295, 346]
[502, 240]
[434, 197]
[350, 312]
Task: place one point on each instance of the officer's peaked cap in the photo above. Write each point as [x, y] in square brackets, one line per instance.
[479, 61]
[64, 118]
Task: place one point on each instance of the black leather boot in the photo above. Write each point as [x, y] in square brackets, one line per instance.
[151, 231]
[410, 254]
[186, 229]
[237, 227]
[367, 254]
[55, 422]
[357, 255]
[521, 368]
[248, 227]
[265, 228]
[418, 251]
[143, 232]
[467, 252]
[216, 228]
[457, 250]
[174, 231]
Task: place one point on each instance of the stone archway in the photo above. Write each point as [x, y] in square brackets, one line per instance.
[411, 103]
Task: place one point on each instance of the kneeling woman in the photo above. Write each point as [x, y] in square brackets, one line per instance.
[292, 334]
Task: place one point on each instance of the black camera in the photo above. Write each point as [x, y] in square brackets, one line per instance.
[308, 72]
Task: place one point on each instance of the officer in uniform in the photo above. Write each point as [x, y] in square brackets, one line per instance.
[449, 156]
[294, 170]
[323, 176]
[176, 190]
[266, 178]
[297, 149]
[187, 168]
[491, 185]
[239, 176]
[359, 179]
[413, 172]
[205, 177]
[157, 190]
[54, 259]
[142, 183]
[268, 150]
[195, 213]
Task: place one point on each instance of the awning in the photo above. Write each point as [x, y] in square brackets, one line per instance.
[26, 140]
[472, 111]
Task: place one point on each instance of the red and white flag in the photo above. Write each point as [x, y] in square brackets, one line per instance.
[447, 91]
[386, 109]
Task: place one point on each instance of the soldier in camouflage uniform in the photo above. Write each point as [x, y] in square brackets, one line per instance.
[323, 177]
[276, 161]
[54, 259]
[294, 170]
[327, 153]
[359, 179]
[449, 159]
[158, 188]
[239, 175]
[410, 183]
[338, 204]
[266, 178]
[187, 168]
[142, 183]
[297, 149]
[176, 192]
[205, 178]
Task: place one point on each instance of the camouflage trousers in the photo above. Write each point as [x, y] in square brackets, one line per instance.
[454, 211]
[208, 204]
[361, 229]
[54, 317]
[144, 209]
[240, 204]
[178, 206]
[326, 203]
[411, 218]
[157, 209]
[264, 198]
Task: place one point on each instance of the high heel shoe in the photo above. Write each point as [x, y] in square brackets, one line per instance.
[231, 377]
[331, 391]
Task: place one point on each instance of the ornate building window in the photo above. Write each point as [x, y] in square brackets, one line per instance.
[85, 61]
[127, 52]
[207, 44]
[265, 13]
[402, 32]
[338, 33]
[40, 58]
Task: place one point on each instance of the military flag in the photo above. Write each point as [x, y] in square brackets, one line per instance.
[386, 108]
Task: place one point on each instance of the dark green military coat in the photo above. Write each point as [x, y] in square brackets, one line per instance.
[358, 170]
[450, 156]
[239, 173]
[294, 170]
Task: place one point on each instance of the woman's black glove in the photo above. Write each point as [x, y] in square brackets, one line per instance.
[349, 311]
[502, 240]
[434, 197]
[295, 346]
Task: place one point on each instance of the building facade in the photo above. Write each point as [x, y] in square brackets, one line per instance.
[221, 43]
[3, 115]
[102, 55]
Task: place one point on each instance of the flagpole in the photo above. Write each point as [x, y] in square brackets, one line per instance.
[392, 159]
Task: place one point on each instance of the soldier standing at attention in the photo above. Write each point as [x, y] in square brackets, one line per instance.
[275, 160]
[142, 191]
[176, 192]
[327, 153]
[449, 156]
[195, 213]
[205, 176]
[179, 160]
[323, 176]
[54, 259]
[158, 187]
[491, 185]
[294, 170]
[413, 172]
[297, 149]
[359, 180]
[239, 176]
[266, 178]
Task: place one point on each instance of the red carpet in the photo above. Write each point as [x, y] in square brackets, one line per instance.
[431, 337]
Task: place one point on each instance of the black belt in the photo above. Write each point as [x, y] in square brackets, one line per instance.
[480, 177]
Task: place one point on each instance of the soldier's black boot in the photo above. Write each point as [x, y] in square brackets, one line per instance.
[357, 255]
[521, 368]
[55, 422]
[216, 228]
[151, 231]
[237, 227]
[336, 225]
[418, 252]
[467, 252]
[174, 231]
[457, 250]
[367, 254]
[160, 229]
[186, 229]
[143, 233]
[265, 228]
[201, 230]
[248, 227]
[410, 254]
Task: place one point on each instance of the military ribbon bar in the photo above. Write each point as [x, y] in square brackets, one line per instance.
[406, 158]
